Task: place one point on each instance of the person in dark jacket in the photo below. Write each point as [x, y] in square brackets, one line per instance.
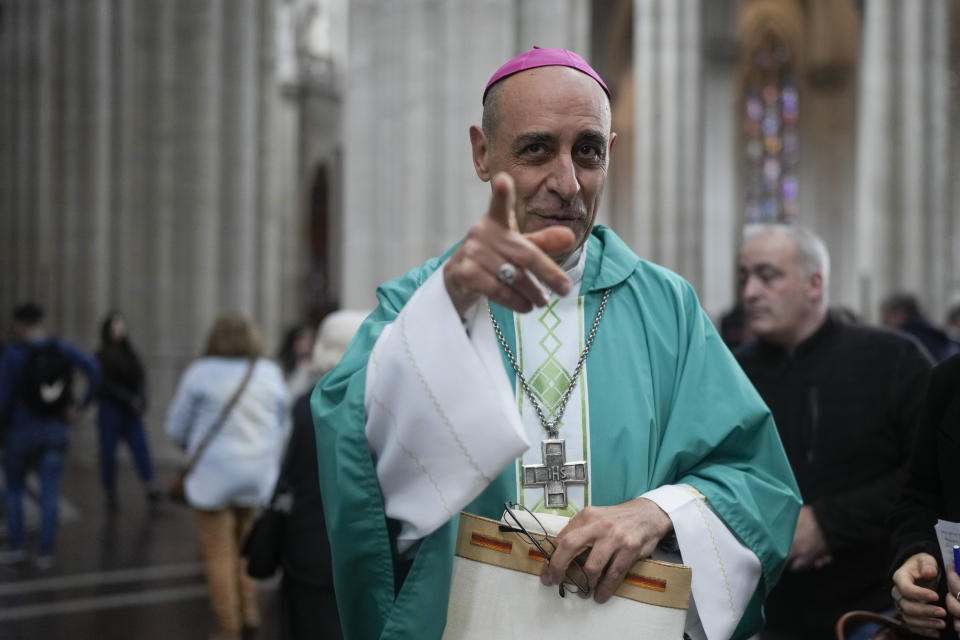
[925, 591]
[123, 400]
[308, 605]
[845, 399]
[901, 311]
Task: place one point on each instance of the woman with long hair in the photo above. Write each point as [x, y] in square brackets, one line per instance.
[123, 400]
[235, 402]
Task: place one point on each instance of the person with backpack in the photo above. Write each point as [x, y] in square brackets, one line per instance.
[37, 405]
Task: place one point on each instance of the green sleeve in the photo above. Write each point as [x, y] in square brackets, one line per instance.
[737, 460]
[379, 594]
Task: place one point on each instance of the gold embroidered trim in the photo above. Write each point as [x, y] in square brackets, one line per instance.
[413, 456]
[645, 582]
[698, 499]
[436, 403]
[503, 546]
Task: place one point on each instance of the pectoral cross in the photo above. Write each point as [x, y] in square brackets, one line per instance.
[555, 473]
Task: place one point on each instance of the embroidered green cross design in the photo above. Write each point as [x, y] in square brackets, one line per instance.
[550, 380]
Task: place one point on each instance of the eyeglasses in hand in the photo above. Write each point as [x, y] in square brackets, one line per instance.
[576, 580]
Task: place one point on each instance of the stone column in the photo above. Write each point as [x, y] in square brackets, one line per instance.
[415, 88]
[74, 150]
[148, 163]
[276, 229]
[7, 128]
[666, 222]
[942, 273]
[101, 255]
[903, 159]
[238, 138]
[36, 260]
[190, 160]
[721, 111]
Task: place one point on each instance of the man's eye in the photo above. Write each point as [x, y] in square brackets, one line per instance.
[534, 149]
[590, 152]
[766, 277]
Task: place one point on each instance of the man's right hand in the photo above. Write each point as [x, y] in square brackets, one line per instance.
[471, 272]
[918, 604]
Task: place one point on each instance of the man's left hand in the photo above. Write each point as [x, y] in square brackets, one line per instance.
[809, 549]
[617, 536]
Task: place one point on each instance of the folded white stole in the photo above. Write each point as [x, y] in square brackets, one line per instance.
[549, 343]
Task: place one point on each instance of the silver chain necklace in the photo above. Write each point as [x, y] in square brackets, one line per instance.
[550, 426]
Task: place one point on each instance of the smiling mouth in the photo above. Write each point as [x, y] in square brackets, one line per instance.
[559, 218]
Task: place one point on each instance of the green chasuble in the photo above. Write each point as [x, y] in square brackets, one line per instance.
[668, 404]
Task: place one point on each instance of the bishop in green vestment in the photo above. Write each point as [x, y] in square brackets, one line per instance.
[667, 405]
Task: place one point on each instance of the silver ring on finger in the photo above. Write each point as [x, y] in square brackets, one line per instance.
[507, 274]
[958, 595]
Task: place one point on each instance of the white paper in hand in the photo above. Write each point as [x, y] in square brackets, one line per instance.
[948, 534]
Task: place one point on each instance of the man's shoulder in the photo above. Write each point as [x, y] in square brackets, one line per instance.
[77, 355]
[880, 339]
[620, 260]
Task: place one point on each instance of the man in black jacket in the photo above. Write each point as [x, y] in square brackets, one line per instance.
[845, 399]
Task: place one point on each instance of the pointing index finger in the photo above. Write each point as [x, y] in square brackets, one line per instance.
[502, 201]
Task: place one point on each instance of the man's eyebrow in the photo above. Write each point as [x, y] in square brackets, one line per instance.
[534, 137]
[762, 266]
[593, 136]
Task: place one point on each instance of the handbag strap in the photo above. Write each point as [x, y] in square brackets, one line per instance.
[896, 626]
[221, 419]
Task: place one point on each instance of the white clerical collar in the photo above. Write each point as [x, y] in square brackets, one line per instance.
[574, 265]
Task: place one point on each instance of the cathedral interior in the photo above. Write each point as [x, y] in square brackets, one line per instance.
[283, 157]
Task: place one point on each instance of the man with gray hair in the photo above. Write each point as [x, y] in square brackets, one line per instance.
[845, 398]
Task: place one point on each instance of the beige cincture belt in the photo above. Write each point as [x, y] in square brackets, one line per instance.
[486, 600]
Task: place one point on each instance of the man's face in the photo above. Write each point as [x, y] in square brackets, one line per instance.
[553, 137]
[779, 298]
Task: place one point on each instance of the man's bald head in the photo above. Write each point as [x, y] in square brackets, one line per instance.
[493, 107]
[534, 58]
[549, 129]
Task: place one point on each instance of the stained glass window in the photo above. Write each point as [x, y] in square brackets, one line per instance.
[770, 119]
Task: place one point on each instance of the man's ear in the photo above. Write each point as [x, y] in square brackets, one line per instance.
[816, 286]
[478, 141]
[613, 138]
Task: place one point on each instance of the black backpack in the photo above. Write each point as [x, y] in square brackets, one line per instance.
[47, 380]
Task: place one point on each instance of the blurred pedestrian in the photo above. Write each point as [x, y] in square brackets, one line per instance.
[901, 311]
[308, 605]
[953, 321]
[123, 400]
[36, 402]
[236, 472]
[295, 358]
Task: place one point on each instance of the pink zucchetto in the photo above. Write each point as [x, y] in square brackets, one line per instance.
[538, 57]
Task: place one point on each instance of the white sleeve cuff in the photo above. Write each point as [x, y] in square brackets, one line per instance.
[725, 572]
[441, 421]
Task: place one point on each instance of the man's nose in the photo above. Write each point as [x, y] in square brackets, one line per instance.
[563, 178]
[751, 288]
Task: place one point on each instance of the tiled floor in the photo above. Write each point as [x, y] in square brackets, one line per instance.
[136, 575]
